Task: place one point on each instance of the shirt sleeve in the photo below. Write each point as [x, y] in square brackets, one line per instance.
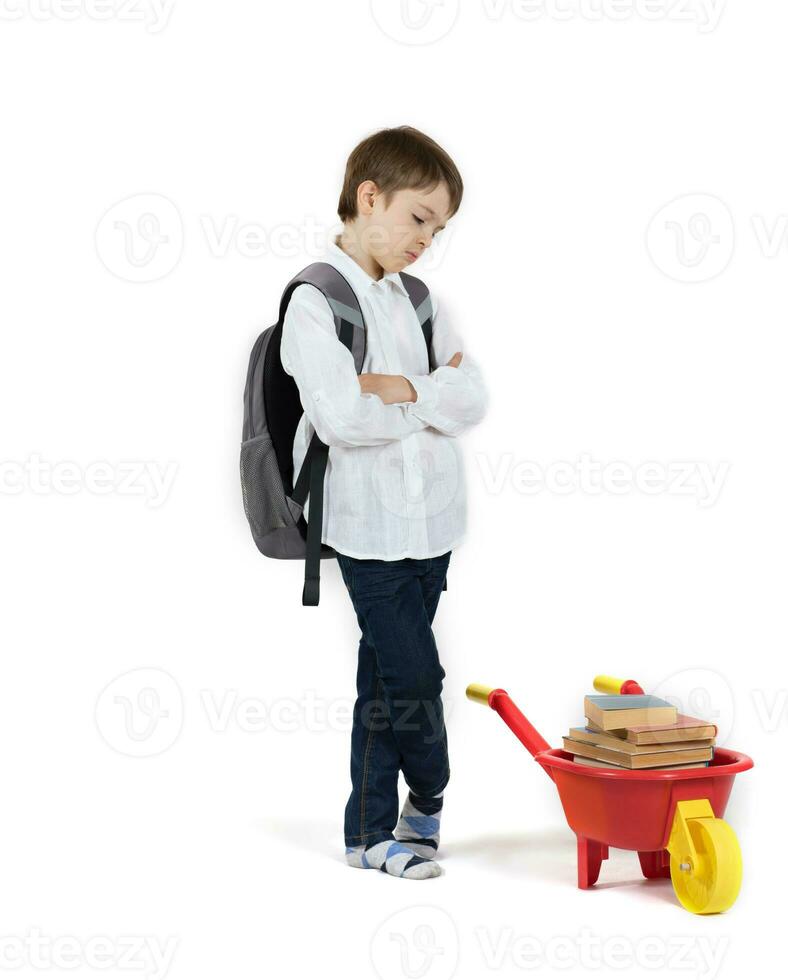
[449, 399]
[325, 372]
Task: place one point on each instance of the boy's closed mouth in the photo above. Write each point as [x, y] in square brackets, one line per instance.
[413, 255]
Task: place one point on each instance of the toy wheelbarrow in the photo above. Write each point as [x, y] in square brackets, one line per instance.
[671, 817]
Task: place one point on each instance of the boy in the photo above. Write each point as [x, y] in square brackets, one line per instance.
[394, 499]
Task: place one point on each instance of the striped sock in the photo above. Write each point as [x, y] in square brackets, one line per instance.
[393, 858]
[420, 824]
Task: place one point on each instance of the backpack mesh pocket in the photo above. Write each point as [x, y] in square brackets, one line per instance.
[264, 498]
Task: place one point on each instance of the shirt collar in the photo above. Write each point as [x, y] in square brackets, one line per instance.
[358, 277]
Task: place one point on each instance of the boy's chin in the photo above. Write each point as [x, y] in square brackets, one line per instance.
[396, 263]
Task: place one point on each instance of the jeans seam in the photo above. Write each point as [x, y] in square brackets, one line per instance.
[367, 750]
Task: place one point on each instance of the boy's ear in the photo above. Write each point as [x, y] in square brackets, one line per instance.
[365, 196]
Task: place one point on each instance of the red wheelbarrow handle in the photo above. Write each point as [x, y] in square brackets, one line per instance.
[500, 701]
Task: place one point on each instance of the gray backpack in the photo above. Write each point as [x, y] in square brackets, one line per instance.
[272, 410]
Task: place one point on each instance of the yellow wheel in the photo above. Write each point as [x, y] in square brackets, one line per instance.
[709, 880]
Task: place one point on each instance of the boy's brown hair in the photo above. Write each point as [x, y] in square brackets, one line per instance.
[397, 159]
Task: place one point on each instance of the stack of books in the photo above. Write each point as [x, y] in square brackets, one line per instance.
[634, 731]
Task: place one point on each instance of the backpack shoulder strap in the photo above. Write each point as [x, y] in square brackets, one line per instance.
[348, 318]
[420, 297]
[351, 331]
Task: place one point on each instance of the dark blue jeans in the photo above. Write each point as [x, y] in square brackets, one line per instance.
[398, 715]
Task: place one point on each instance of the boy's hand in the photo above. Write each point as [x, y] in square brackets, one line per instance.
[388, 387]
[392, 388]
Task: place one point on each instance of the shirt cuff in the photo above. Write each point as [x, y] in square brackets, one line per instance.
[426, 394]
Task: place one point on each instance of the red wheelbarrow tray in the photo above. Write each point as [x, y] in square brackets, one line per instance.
[625, 808]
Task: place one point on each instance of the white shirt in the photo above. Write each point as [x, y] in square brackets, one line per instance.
[395, 481]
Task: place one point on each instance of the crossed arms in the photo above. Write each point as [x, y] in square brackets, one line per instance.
[348, 410]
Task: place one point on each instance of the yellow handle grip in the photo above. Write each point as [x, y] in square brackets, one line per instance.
[608, 685]
[479, 692]
[616, 685]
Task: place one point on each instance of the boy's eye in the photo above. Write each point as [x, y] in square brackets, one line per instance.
[421, 222]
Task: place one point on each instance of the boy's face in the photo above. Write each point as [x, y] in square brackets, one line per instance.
[395, 236]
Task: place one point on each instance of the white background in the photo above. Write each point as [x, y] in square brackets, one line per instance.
[209, 821]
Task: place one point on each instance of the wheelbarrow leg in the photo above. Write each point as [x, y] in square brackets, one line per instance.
[655, 864]
[590, 855]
